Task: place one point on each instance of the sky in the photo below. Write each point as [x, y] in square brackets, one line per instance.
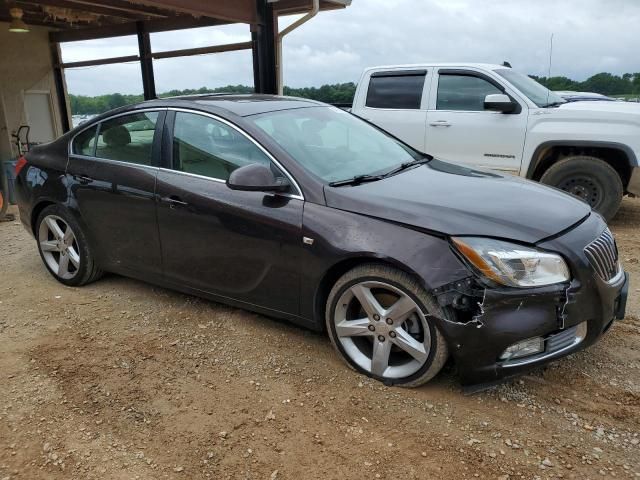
[589, 36]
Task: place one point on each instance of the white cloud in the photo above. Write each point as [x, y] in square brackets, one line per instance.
[590, 36]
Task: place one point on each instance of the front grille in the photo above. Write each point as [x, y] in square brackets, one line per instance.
[603, 255]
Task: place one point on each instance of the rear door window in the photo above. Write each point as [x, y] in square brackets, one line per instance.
[463, 92]
[128, 138]
[395, 91]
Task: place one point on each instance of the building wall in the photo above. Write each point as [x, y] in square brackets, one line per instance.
[25, 64]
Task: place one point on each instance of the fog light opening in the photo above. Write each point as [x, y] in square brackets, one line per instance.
[525, 348]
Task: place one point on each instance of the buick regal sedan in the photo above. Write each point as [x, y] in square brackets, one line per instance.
[299, 210]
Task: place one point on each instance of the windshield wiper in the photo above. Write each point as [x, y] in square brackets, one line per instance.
[405, 165]
[357, 180]
[554, 104]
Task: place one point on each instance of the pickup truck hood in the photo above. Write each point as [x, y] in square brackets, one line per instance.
[630, 108]
[454, 200]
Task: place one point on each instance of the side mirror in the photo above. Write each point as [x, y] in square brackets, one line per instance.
[499, 102]
[256, 178]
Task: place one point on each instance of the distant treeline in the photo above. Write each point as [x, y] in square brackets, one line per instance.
[605, 83]
[84, 105]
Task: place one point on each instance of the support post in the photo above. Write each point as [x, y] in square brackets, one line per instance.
[263, 37]
[146, 61]
[61, 87]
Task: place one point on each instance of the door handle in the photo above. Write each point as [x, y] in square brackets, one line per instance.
[174, 201]
[440, 123]
[83, 179]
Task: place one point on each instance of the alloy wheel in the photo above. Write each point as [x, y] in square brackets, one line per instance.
[59, 247]
[382, 329]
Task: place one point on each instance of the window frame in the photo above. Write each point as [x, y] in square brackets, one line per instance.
[155, 147]
[167, 148]
[424, 73]
[472, 73]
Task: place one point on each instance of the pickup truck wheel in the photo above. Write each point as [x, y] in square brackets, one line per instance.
[590, 179]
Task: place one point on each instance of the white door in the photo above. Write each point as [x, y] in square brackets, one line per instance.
[39, 113]
[460, 130]
[396, 102]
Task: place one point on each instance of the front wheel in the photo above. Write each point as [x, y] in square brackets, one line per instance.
[380, 320]
[591, 180]
[64, 248]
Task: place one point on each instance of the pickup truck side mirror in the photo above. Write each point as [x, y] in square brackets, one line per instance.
[256, 177]
[499, 102]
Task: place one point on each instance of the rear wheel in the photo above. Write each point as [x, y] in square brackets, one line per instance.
[381, 322]
[64, 248]
[590, 179]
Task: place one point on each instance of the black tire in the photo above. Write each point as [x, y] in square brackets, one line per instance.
[438, 353]
[87, 271]
[590, 179]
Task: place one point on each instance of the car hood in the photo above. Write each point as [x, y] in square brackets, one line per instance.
[454, 200]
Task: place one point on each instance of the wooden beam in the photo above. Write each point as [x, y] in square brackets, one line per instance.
[159, 25]
[61, 88]
[291, 7]
[36, 22]
[98, 10]
[146, 62]
[235, 11]
[187, 52]
[99, 61]
[124, 6]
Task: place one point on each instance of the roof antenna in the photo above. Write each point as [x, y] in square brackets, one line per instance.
[506, 64]
[549, 73]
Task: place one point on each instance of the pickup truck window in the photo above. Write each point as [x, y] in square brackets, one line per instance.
[538, 94]
[463, 92]
[395, 91]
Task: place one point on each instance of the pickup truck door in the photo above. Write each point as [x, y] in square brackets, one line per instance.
[396, 101]
[460, 130]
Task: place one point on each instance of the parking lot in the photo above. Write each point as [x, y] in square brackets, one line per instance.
[122, 379]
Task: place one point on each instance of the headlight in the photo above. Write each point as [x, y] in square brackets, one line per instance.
[511, 264]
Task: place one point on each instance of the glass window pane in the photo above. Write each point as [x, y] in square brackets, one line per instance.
[207, 147]
[85, 142]
[403, 92]
[128, 138]
[463, 92]
[333, 144]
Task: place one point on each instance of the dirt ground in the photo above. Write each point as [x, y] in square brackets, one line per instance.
[125, 380]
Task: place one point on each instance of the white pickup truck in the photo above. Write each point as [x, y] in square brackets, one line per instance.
[490, 116]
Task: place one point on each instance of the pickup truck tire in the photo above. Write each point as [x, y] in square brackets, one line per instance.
[590, 179]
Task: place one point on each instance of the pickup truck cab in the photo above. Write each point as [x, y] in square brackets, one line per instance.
[491, 116]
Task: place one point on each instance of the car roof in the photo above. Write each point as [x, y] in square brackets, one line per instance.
[240, 105]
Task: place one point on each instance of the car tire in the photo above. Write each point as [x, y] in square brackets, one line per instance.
[64, 248]
[371, 336]
[590, 179]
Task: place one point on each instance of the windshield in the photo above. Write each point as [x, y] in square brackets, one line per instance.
[333, 144]
[538, 94]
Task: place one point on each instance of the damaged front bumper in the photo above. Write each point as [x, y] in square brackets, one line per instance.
[564, 318]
